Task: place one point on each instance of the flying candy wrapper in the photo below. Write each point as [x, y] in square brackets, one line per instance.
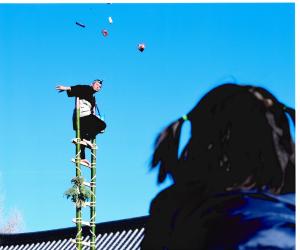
[141, 47]
[110, 20]
[104, 32]
[80, 24]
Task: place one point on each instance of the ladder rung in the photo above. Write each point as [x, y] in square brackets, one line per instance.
[85, 243]
[90, 203]
[86, 223]
[86, 165]
[88, 184]
[82, 242]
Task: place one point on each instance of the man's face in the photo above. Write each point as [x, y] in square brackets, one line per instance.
[96, 86]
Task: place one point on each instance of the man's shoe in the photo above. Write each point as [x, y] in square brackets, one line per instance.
[89, 144]
[77, 140]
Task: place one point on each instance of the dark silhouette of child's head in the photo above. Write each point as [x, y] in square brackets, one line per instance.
[240, 139]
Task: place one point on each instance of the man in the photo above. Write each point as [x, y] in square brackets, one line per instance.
[90, 124]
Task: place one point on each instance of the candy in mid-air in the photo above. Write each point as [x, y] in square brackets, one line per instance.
[104, 32]
[80, 24]
[141, 47]
[110, 20]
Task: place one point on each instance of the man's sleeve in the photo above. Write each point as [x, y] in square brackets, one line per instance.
[76, 90]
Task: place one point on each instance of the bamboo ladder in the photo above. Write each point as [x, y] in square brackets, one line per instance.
[92, 185]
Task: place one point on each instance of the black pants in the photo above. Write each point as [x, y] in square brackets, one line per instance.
[90, 126]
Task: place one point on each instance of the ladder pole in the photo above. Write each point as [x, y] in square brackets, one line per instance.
[93, 199]
[78, 174]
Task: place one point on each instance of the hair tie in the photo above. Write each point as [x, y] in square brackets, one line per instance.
[185, 118]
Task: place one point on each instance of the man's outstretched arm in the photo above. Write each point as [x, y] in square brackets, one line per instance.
[61, 88]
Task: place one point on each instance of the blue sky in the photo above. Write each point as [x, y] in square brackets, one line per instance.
[190, 48]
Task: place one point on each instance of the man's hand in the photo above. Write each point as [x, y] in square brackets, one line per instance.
[62, 88]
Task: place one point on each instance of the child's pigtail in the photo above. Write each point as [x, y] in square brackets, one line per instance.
[166, 149]
[291, 112]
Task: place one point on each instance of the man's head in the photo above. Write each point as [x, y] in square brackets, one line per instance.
[96, 85]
